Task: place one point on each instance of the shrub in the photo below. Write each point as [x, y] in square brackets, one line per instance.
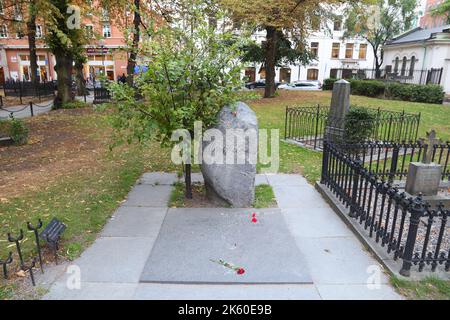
[430, 93]
[18, 132]
[328, 83]
[74, 105]
[358, 125]
[369, 88]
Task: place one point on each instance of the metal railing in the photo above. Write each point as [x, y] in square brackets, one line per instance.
[408, 228]
[21, 89]
[306, 125]
[101, 95]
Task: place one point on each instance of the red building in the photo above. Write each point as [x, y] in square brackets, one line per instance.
[428, 21]
[105, 53]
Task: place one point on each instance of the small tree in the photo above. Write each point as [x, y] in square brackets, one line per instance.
[358, 125]
[379, 23]
[191, 75]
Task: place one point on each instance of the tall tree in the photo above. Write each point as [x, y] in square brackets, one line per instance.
[65, 40]
[19, 14]
[442, 10]
[290, 19]
[136, 36]
[379, 22]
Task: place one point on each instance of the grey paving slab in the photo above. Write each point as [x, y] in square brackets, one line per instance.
[92, 291]
[358, 292]
[190, 238]
[197, 177]
[287, 180]
[338, 260]
[135, 222]
[314, 223]
[261, 179]
[146, 195]
[158, 178]
[298, 197]
[153, 291]
[116, 260]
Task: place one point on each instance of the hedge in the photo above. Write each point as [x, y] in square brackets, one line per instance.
[369, 88]
[430, 93]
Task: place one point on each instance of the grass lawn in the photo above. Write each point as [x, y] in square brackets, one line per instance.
[67, 170]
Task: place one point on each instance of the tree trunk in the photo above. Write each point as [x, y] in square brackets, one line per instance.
[31, 33]
[81, 84]
[136, 35]
[271, 48]
[63, 69]
[187, 180]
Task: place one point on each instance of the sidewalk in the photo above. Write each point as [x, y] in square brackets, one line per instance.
[23, 111]
[336, 264]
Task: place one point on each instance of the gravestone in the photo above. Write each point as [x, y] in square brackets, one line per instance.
[424, 177]
[232, 182]
[340, 104]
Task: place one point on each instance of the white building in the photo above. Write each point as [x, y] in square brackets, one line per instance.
[415, 53]
[335, 57]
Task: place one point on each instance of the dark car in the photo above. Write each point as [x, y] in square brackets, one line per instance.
[259, 84]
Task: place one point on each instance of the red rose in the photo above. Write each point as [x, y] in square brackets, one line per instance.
[253, 214]
[240, 271]
[254, 220]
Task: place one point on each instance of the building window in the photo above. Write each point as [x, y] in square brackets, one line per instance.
[106, 30]
[105, 14]
[349, 51]
[396, 65]
[335, 50]
[3, 31]
[20, 34]
[89, 31]
[315, 49]
[38, 31]
[17, 12]
[403, 66]
[337, 26]
[312, 74]
[412, 66]
[362, 51]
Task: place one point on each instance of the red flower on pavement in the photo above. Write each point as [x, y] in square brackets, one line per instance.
[254, 220]
[240, 271]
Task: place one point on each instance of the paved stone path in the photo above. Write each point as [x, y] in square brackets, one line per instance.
[23, 111]
[111, 268]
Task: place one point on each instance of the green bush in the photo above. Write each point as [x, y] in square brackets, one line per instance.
[369, 88]
[358, 125]
[74, 105]
[18, 131]
[328, 83]
[430, 93]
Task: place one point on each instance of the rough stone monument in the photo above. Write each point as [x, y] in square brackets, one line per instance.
[424, 177]
[340, 104]
[233, 182]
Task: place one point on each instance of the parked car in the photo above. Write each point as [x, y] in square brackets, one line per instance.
[259, 84]
[302, 85]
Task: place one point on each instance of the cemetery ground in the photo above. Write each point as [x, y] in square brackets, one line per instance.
[68, 171]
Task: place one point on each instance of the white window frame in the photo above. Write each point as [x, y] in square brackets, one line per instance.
[108, 33]
[40, 33]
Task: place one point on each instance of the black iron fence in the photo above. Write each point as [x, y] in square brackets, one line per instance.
[27, 88]
[306, 125]
[408, 228]
[390, 160]
[411, 76]
[101, 95]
